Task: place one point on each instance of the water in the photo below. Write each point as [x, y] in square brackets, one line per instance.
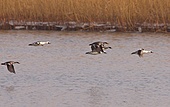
[62, 75]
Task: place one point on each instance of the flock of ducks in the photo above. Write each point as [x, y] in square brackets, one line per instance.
[96, 48]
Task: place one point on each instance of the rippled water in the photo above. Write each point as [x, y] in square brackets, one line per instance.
[62, 75]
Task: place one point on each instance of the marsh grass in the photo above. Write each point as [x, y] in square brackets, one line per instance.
[121, 12]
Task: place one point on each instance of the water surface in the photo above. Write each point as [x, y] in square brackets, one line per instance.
[62, 75]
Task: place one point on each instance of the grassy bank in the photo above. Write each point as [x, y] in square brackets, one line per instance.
[120, 12]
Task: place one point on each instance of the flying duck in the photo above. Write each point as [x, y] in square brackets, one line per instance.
[39, 43]
[96, 51]
[140, 52]
[10, 66]
[100, 45]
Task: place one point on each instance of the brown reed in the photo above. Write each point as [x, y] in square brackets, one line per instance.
[122, 12]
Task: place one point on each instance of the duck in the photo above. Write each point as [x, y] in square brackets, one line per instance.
[142, 51]
[96, 51]
[10, 66]
[39, 43]
[100, 45]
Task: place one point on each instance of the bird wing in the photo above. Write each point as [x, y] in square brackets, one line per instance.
[99, 49]
[96, 43]
[35, 44]
[93, 47]
[134, 52]
[3, 64]
[11, 68]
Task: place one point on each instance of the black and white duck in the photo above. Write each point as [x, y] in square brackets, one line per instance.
[96, 51]
[100, 45]
[142, 51]
[10, 66]
[39, 43]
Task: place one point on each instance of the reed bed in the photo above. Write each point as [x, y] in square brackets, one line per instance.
[120, 12]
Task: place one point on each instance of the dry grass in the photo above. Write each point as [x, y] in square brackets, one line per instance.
[122, 12]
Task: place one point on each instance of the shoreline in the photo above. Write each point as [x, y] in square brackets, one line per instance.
[75, 26]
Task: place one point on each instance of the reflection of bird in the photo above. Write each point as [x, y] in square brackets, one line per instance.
[93, 52]
[140, 52]
[99, 45]
[39, 43]
[10, 66]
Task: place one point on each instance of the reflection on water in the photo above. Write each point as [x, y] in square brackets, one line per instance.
[95, 96]
[62, 75]
[10, 88]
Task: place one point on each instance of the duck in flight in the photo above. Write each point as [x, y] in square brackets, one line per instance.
[100, 46]
[39, 43]
[10, 66]
[140, 52]
[96, 51]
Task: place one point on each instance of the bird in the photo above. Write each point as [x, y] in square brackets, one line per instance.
[140, 52]
[99, 45]
[10, 66]
[39, 43]
[95, 51]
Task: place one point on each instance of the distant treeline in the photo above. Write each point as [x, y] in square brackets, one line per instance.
[124, 13]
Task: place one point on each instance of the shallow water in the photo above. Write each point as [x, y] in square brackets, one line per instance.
[62, 75]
